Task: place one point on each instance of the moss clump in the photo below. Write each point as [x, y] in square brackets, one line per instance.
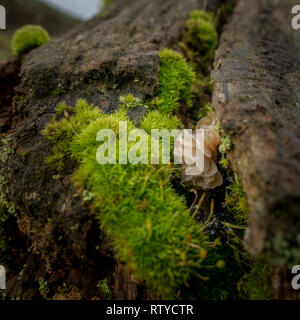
[27, 38]
[224, 163]
[149, 224]
[156, 120]
[225, 145]
[129, 101]
[63, 109]
[175, 80]
[61, 133]
[201, 34]
[104, 289]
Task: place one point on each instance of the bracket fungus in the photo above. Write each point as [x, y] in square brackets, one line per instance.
[200, 173]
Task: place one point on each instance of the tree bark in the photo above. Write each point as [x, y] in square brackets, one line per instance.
[100, 60]
[256, 98]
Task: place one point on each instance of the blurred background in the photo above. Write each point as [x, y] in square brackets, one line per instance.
[56, 16]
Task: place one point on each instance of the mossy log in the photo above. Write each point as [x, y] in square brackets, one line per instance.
[256, 97]
[112, 55]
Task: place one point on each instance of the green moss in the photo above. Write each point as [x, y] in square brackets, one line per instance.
[149, 224]
[227, 8]
[201, 34]
[129, 101]
[61, 133]
[257, 284]
[108, 2]
[156, 120]
[224, 163]
[105, 8]
[63, 108]
[206, 110]
[236, 202]
[59, 91]
[43, 288]
[225, 145]
[175, 80]
[28, 38]
[104, 289]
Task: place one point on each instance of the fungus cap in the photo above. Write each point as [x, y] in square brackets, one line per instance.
[200, 174]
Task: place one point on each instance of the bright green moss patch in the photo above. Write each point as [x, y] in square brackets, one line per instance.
[130, 101]
[60, 133]
[175, 80]
[63, 108]
[156, 120]
[149, 224]
[201, 34]
[225, 145]
[28, 38]
[224, 163]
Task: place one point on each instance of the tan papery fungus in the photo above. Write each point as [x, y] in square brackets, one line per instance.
[205, 174]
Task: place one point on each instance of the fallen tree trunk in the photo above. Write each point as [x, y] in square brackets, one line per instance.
[112, 55]
[256, 97]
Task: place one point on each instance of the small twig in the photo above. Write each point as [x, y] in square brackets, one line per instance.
[212, 207]
[196, 198]
[199, 204]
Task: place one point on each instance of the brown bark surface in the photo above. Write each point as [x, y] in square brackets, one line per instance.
[256, 97]
[100, 60]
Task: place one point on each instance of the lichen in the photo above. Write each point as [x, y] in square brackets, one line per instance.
[27, 38]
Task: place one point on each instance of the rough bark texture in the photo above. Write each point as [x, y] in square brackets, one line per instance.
[256, 97]
[100, 60]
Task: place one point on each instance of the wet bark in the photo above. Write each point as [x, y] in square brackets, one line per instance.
[256, 97]
[100, 60]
